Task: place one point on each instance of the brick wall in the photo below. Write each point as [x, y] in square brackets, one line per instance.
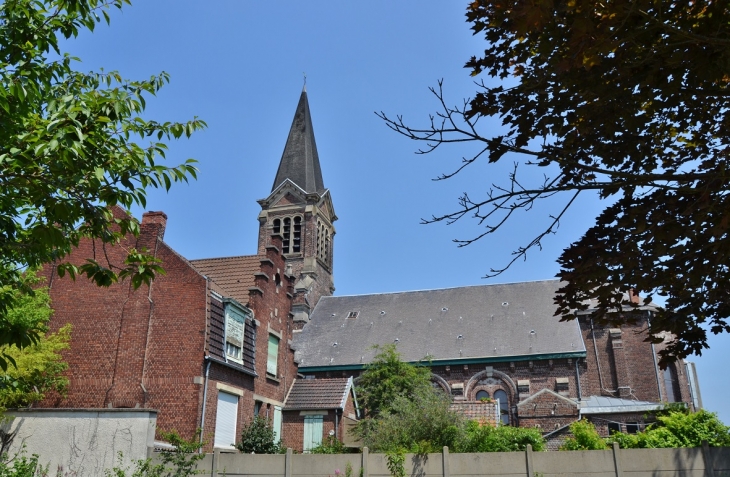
[134, 348]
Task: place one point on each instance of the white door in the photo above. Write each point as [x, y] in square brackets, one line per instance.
[225, 420]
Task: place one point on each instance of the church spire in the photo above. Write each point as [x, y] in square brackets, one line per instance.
[300, 161]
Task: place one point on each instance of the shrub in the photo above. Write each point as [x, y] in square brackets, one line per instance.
[678, 428]
[487, 438]
[259, 438]
[330, 445]
[585, 437]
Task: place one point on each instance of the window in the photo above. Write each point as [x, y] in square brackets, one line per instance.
[614, 427]
[671, 384]
[501, 396]
[313, 426]
[632, 427]
[277, 423]
[324, 247]
[297, 235]
[257, 408]
[235, 320]
[482, 395]
[290, 229]
[225, 420]
[273, 357]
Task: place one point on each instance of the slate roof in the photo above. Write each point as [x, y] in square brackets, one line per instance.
[318, 394]
[482, 323]
[300, 161]
[609, 405]
[233, 275]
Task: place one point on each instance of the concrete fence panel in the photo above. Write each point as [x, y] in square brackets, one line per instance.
[702, 462]
[82, 442]
[502, 464]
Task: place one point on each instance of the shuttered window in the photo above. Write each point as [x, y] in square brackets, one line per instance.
[273, 355]
[277, 423]
[225, 420]
[312, 432]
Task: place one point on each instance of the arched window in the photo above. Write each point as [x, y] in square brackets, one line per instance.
[671, 384]
[287, 235]
[482, 395]
[297, 235]
[291, 233]
[501, 396]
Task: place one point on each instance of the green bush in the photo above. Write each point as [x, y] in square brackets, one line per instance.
[21, 466]
[677, 428]
[259, 438]
[585, 437]
[486, 438]
[330, 445]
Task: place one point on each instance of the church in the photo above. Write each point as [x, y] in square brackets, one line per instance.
[217, 341]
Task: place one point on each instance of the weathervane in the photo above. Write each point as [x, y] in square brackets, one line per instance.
[305, 78]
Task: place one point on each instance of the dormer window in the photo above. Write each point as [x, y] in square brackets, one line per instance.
[234, 328]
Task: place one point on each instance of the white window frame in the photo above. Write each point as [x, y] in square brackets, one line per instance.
[234, 330]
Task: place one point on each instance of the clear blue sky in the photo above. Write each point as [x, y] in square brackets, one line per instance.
[239, 66]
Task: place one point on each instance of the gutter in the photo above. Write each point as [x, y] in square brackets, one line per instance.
[455, 362]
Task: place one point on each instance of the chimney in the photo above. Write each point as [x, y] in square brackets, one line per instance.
[157, 219]
[633, 296]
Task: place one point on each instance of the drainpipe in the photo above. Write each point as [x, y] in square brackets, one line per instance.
[205, 401]
[337, 427]
[653, 355]
[577, 378]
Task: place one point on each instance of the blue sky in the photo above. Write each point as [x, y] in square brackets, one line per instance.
[239, 66]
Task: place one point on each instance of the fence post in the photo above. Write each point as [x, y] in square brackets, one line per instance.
[445, 458]
[616, 461]
[365, 454]
[287, 462]
[709, 467]
[214, 468]
[528, 461]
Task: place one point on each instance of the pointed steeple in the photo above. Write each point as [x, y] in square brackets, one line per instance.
[300, 162]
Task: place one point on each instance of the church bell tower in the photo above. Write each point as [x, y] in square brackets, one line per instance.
[300, 210]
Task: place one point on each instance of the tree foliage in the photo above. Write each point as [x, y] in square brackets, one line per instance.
[387, 377]
[72, 144]
[39, 367]
[419, 422]
[629, 99]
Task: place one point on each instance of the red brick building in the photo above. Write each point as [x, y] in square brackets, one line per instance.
[211, 343]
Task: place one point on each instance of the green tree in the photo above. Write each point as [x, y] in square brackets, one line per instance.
[628, 99]
[39, 367]
[68, 152]
[419, 422]
[404, 411]
[387, 377]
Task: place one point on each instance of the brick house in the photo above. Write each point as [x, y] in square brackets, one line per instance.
[315, 408]
[217, 341]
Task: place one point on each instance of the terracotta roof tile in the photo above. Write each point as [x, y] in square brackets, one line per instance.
[318, 394]
[233, 275]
